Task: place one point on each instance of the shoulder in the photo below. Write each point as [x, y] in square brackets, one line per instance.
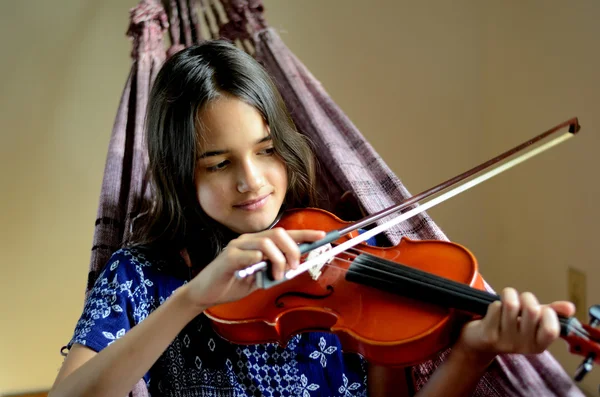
[135, 256]
[138, 262]
[125, 270]
[140, 274]
[124, 265]
[127, 290]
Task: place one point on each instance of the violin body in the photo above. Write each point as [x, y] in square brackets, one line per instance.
[384, 327]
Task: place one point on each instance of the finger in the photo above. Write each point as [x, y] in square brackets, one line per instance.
[286, 243]
[491, 325]
[270, 251]
[564, 308]
[510, 312]
[243, 257]
[302, 236]
[548, 330]
[531, 313]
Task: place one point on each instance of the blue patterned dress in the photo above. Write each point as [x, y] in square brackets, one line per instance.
[198, 362]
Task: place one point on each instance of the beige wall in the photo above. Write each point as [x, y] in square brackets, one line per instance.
[436, 88]
[63, 68]
[541, 64]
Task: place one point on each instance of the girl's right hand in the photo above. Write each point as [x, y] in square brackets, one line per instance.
[217, 283]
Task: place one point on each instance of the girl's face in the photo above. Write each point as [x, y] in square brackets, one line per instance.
[240, 181]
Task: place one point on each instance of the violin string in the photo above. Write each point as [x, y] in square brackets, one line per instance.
[408, 271]
[427, 280]
[457, 290]
[423, 282]
[426, 276]
[441, 281]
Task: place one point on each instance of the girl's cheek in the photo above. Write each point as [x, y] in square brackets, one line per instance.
[223, 192]
[218, 190]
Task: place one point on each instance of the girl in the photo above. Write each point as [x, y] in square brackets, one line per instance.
[225, 160]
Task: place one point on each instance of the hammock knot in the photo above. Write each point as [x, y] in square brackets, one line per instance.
[148, 22]
[234, 30]
[245, 19]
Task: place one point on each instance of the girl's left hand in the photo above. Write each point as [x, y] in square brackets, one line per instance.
[515, 324]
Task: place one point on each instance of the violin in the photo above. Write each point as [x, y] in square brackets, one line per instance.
[396, 306]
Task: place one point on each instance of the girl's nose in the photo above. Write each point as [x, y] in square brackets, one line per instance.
[251, 178]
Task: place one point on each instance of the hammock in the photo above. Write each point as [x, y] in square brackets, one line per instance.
[350, 166]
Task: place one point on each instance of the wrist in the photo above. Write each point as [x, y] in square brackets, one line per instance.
[472, 358]
[186, 301]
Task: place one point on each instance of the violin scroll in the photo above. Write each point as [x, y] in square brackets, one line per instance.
[584, 340]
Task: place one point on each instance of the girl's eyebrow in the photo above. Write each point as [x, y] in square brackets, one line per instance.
[220, 152]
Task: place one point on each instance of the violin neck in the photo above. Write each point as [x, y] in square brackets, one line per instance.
[409, 282]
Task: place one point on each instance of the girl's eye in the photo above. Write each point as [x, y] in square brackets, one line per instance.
[218, 167]
[267, 151]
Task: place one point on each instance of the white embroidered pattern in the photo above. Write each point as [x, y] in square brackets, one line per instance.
[112, 337]
[306, 387]
[345, 389]
[323, 351]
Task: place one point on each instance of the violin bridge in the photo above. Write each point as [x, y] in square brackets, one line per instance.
[315, 271]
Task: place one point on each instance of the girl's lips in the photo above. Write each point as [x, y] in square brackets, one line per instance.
[252, 205]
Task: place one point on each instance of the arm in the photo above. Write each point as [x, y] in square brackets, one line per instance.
[116, 369]
[450, 379]
[385, 381]
[458, 375]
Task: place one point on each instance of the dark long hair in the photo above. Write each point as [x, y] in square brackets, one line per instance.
[186, 83]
